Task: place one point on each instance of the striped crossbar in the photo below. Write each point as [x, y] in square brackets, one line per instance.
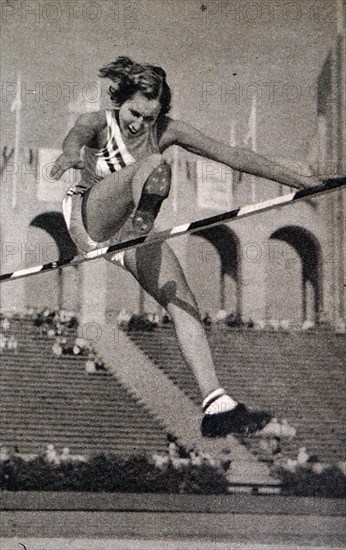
[236, 214]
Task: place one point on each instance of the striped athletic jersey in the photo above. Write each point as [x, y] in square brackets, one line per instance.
[116, 154]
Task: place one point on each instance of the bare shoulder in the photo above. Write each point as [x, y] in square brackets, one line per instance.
[96, 120]
[173, 125]
[170, 131]
[165, 127]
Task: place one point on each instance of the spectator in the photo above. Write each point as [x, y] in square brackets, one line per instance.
[5, 324]
[51, 454]
[90, 367]
[12, 344]
[3, 342]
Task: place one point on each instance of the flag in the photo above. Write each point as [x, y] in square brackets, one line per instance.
[251, 140]
[237, 176]
[251, 135]
[16, 107]
[16, 104]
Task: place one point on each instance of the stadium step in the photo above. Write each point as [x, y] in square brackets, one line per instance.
[45, 399]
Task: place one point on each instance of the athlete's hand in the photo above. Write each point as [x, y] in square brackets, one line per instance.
[309, 181]
[63, 163]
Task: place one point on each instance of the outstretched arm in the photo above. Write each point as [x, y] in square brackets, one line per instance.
[239, 158]
[83, 133]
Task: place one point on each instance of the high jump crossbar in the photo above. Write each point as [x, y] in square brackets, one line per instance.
[179, 230]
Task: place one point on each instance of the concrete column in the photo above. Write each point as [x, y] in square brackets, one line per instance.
[253, 281]
[93, 292]
[12, 296]
[253, 256]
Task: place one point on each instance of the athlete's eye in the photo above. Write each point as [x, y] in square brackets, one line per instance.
[135, 113]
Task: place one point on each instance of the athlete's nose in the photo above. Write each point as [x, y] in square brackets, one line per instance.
[137, 124]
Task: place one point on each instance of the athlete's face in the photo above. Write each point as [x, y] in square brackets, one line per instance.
[138, 114]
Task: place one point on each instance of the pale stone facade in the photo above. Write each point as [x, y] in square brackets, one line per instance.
[287, 264]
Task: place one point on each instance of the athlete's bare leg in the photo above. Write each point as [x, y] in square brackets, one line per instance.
[105, 209]
[155, 266]
[108, 204]
[159, 272]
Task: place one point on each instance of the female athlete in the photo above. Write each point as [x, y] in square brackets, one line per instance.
[124, 181]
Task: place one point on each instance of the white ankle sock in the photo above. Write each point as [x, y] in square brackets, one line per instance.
[218, 401]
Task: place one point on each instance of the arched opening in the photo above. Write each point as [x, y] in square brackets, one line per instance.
[54, 224]
[62, 284]
[214, 265]
[295, 266]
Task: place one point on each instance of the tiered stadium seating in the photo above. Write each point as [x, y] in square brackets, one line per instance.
[298, 376]
[46, 399]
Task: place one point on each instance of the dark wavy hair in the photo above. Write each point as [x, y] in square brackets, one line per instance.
[130, 77]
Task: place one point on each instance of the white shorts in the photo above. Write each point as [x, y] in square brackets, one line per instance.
[72, 211]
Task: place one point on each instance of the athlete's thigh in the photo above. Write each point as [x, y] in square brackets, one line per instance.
[159, 272]
[108, 204]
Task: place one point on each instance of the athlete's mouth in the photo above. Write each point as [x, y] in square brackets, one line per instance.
[132, 132]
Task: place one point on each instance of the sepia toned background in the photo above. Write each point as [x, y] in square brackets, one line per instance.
[264, 74]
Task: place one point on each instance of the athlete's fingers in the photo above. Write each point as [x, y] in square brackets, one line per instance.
[315, 183]
[59, 167]
[310, 181]
[56, 172]
[62, 164]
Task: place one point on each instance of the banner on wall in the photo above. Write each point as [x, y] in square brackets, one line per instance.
[49, 189]
[214, 185]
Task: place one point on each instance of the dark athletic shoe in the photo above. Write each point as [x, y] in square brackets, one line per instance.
[155, 190]
[237, 421]
[144, 217]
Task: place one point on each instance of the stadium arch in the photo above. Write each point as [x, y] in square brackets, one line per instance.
[295, 264]
[62, 285]
[215, 269]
